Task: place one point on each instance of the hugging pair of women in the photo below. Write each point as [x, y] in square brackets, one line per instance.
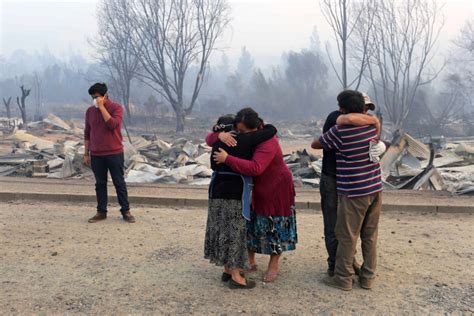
[251, 199]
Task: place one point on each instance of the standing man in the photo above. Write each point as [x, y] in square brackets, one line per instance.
[328, 187]
[359, 188]
[104, 151]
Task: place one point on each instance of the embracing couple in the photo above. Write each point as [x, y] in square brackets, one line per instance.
[246, 156]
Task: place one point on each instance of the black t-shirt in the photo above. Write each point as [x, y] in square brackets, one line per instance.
[229, 186]
[329, 156]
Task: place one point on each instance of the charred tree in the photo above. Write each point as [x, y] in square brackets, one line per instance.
[173, 40]
[403, 45]
[7, 107]
[114, 47]
[351, 23]
[21, 102]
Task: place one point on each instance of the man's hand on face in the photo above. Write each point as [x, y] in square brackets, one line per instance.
[100, 101]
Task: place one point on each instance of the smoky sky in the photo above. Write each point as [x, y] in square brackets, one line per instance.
[266, 27]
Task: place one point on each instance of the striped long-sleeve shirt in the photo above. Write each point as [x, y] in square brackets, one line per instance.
[356, 175]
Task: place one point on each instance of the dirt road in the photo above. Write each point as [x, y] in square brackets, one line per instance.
[53, 261]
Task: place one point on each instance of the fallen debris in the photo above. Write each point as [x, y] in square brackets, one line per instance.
[9, 125]
[407, 164]
[306, 168]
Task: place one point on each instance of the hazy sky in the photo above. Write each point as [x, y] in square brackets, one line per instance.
[266, 27]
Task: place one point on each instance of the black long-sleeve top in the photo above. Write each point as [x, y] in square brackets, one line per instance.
[229, 186]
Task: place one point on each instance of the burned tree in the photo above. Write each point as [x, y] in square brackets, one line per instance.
[402, 41]
[37, 93]
[350, 20]
[21, 102]
[7, 107]
[114, 46]
[171, 36]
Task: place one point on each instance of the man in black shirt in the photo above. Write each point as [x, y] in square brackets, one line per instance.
[328, 191]
[328, 182]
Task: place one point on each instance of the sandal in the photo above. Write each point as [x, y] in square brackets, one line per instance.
[234, 285]
[270, 277]
[226, 276]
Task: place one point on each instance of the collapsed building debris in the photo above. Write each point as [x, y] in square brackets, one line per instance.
[407, 164]
[147, 159]
[161, 162]
[306, 168]
[9, 125]
[52, 124]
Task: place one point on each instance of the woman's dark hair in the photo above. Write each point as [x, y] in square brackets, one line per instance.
[100, 88]
[225, 123]
[249, 118]
[351, 101]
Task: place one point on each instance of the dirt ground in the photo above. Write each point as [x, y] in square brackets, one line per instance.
[54, 262]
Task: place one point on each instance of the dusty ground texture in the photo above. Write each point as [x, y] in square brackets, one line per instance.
[53, 261]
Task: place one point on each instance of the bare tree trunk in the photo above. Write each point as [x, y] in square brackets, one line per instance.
[22, 103]
[344, 44]
[402, 45]
[344, 17]
[7, 106]
[169, 37]
[37, 96]
[115, 48]
[180, 121]
[127, 103]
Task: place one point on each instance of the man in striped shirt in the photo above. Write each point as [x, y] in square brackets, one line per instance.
[359, 188]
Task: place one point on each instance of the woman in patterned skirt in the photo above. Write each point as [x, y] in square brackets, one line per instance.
[226, 234]
[272, 229]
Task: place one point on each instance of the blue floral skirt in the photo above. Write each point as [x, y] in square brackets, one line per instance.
[272, 235]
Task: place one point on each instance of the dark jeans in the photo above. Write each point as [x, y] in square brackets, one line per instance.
[328, 191]
[100, 166]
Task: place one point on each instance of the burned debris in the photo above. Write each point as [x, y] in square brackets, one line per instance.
[33, 153]
[408, 164]
[54, 148]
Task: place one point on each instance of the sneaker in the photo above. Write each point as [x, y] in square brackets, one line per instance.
[333, 282]
[98, 217]
[366, 283]
[128, 217]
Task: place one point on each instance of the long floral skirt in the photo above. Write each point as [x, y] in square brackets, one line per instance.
[226, 234]
[272, 235]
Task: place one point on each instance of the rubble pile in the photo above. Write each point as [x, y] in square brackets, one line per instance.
[9, 125]
[306, 168]
[157, 161]
[456, 165]
[407, 164]
[147, 159]
[412, 165]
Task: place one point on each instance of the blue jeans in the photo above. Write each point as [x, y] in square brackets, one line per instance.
[328, 191]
